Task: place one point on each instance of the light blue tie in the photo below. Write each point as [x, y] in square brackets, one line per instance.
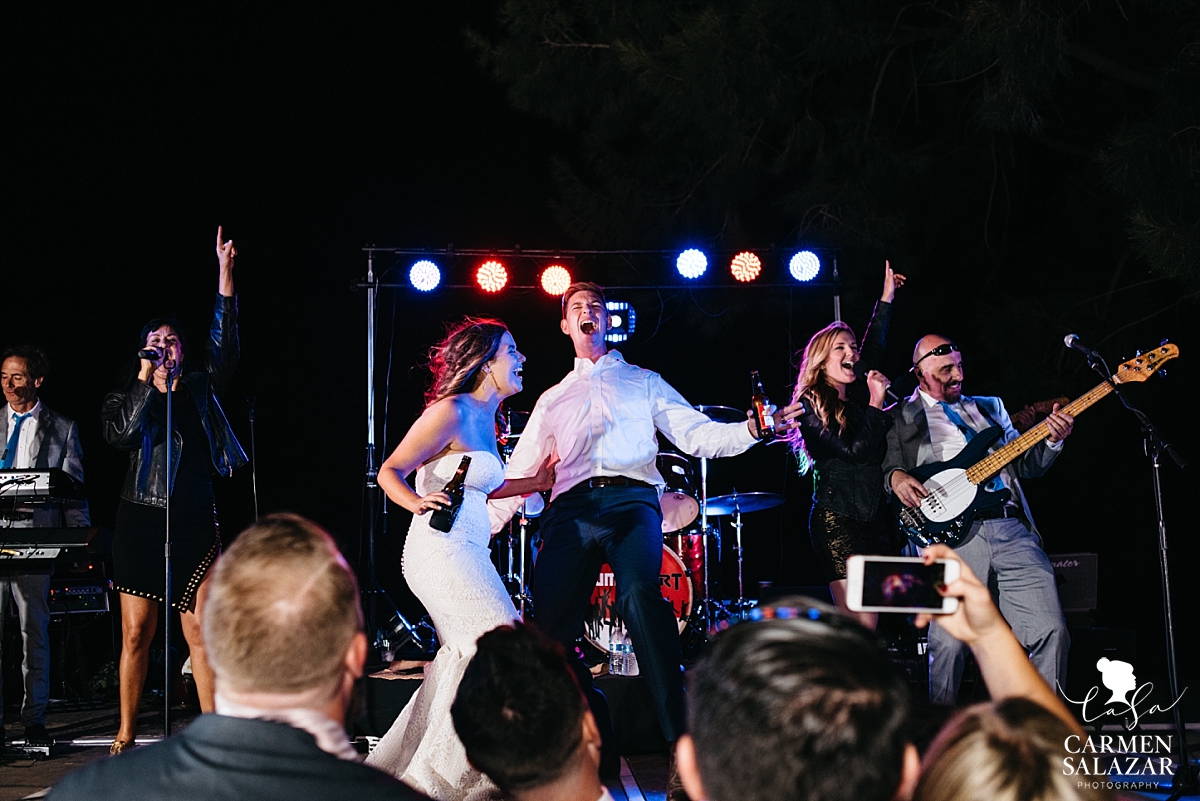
[10, 450]
[968, 432]
[960, 423]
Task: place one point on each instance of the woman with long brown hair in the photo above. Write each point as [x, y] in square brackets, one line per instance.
[842, 441]
[475, 367]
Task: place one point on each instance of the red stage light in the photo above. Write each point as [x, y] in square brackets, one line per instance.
[745, 266]
[555, 279]
[491, 276]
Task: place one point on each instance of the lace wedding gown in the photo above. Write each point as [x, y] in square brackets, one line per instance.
[453, 576]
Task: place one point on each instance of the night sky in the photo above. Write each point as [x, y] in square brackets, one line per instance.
[131, 136]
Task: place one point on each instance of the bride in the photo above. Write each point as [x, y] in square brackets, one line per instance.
[474, 368]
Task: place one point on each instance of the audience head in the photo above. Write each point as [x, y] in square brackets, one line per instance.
[283, 615]
[521, 716]
[803, 705]
[457, 361]
[1007, 751]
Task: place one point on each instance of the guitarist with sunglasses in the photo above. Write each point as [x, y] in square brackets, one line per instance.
[934, 425]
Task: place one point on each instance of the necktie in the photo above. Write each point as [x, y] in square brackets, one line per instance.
[955, 418]
[10, 450]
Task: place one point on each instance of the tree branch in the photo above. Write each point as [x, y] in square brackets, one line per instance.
[1112, 69]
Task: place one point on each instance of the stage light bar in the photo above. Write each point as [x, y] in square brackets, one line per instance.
[491, 276]
[424, 275]
[804, 266]
[691, 263]
[745, 266]
[555, 279]
[622, 320]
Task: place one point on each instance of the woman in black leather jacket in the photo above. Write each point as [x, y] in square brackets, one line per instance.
[134, 419]
[843, 442]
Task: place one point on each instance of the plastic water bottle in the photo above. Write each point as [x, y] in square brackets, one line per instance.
[618, 645]
[631, 665]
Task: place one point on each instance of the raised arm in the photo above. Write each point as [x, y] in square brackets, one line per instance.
[1005, 666]
[224, 347]
[432, 434]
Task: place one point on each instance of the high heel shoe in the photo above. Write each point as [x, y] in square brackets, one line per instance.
[118, 746]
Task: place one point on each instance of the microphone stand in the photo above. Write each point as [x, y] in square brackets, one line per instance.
[253, 455]
[167, 561]
[1185, 781]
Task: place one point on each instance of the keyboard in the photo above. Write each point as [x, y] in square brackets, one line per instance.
[40, 483]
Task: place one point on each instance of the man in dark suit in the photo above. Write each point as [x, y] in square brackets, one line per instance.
[934, 425]
[284, 632]
[33, 436]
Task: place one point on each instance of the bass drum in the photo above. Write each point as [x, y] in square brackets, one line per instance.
[680, 500]
[676, 586]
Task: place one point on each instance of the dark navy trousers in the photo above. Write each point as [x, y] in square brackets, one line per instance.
[581, 530]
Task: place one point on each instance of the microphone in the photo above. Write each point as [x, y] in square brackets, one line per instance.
[1072, 341]
[861, 371]
[152, 354]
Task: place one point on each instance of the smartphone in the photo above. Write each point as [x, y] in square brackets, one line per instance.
[899, 584]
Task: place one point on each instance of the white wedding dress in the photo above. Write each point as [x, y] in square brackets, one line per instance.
[453, 576]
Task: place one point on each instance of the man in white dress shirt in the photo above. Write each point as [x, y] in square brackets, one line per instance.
[601, 421]
[933, 425]
[33, 436]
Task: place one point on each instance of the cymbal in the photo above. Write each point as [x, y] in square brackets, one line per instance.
[745, 501]
[723, 414]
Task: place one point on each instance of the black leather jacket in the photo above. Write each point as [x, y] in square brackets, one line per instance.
[847, 477]
[129, 425]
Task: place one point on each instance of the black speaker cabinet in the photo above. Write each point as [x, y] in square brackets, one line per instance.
[1075, 574]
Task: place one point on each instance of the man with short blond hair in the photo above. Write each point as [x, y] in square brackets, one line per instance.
[283, 628]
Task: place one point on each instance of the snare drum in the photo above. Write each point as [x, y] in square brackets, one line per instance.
[674, 583]
[680, 501]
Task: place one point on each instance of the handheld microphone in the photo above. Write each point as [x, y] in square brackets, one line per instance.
[149, 353]
[861, 371]
[1072, 341]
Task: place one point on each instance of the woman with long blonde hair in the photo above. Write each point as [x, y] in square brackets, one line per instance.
[842, 442]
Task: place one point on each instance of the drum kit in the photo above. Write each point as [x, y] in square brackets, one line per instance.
[691, 525]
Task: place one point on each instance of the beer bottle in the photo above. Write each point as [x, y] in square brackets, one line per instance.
[443, 519]
[762, 408]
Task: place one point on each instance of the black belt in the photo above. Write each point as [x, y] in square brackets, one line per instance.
[610, 481]
[1004, 510]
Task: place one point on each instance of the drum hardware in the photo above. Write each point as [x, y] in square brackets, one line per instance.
[735, 504]
[680, 507]
[512, 425]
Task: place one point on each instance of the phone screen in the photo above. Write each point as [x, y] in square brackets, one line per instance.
[902, 584]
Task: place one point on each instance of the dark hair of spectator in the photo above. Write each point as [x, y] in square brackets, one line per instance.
[519, 710]
[798, 708]
[35, 358]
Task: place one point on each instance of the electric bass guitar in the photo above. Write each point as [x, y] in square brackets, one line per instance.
[957, 491]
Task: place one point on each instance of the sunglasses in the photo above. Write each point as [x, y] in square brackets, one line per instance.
[940, 350]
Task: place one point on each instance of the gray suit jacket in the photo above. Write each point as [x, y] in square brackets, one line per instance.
[56, 444]
[909, 445]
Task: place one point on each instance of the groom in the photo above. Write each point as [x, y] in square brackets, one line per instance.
[600, 421]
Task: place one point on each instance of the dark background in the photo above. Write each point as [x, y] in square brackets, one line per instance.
[130, 136]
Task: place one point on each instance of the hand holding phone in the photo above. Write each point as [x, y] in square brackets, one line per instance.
[905, 584]
[976, 616]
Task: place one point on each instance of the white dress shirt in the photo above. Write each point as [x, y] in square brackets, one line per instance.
[25, 455]
[601, 419]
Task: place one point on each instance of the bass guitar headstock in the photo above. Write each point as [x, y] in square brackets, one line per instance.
[1144, 365]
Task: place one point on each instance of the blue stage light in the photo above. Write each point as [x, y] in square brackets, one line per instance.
[804, 266]
[424, 275]
[622, 320]
[691, 263]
